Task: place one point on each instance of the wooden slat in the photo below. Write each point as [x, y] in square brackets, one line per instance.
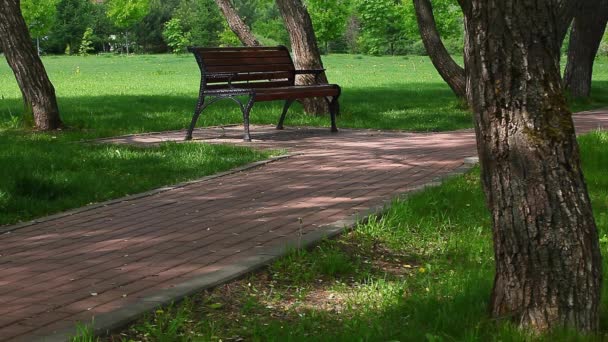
[251, 85]
[237, 48]
[250, 68]
[242, 54]
[254, 76]
[247, 61]
[296, 93]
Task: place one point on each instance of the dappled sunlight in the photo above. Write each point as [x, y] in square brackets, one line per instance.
[93, 262]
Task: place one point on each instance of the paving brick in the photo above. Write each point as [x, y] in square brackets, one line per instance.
[132, 249]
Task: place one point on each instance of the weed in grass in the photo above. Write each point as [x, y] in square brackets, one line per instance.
[333, 262]
[84, 333]
[297, 267]
[168, 324]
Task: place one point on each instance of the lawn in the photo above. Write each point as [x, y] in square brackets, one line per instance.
[422, 272]
[109, 95]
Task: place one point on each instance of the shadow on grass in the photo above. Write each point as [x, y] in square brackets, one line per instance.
[418, 107]
[413, 107]
[598, 99]
[47, 175]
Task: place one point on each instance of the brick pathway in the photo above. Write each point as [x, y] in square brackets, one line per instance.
[67, 269]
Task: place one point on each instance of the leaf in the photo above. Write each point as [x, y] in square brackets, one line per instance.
[216, 306]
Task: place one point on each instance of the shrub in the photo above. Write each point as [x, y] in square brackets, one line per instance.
[175, 37]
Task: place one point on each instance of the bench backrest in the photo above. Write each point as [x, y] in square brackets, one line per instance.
[258, 67]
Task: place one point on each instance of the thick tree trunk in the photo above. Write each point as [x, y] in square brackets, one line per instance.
[237, 25]
[38, 92]
[585, 38]
[450, 71]
[548, 263]
[305, 49]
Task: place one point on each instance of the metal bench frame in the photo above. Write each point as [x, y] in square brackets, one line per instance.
[227, 89]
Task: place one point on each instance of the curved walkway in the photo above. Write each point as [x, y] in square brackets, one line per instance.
[114, 261]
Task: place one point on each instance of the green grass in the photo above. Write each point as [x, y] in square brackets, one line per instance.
[108, 95]
[111, 95]
[422, 272]
[42, 175]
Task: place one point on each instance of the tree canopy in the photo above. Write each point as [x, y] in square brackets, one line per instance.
[39, 15]
[126, 13]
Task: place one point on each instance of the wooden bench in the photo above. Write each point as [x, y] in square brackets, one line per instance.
[255, 74]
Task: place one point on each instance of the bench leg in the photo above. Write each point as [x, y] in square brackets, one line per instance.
[197, 113]
[246, 110]
[334, 109]
[288, 104]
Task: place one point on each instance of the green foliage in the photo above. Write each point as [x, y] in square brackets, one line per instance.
[228, 37]
[268, 24]
[149, 31]
[272, 31]
[382, 26]
[328, 18]
[202, 20]
[125, 13]
[175, 36]
[73, 18]
[39, 15]
[86, 44]
[376, 27]
[448, 17]
[390, 27]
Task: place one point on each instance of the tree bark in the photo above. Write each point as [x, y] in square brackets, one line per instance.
[38, 92]
[305, 49]
[452, 73]
[565, 11]
[546, 248]
[585, 38]
[237, 25]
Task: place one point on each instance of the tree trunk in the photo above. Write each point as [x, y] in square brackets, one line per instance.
[565, 11]
[38, 92]
[546, 248]
[237, 25]
[305, 49]
[452, 73]
[585, 38]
